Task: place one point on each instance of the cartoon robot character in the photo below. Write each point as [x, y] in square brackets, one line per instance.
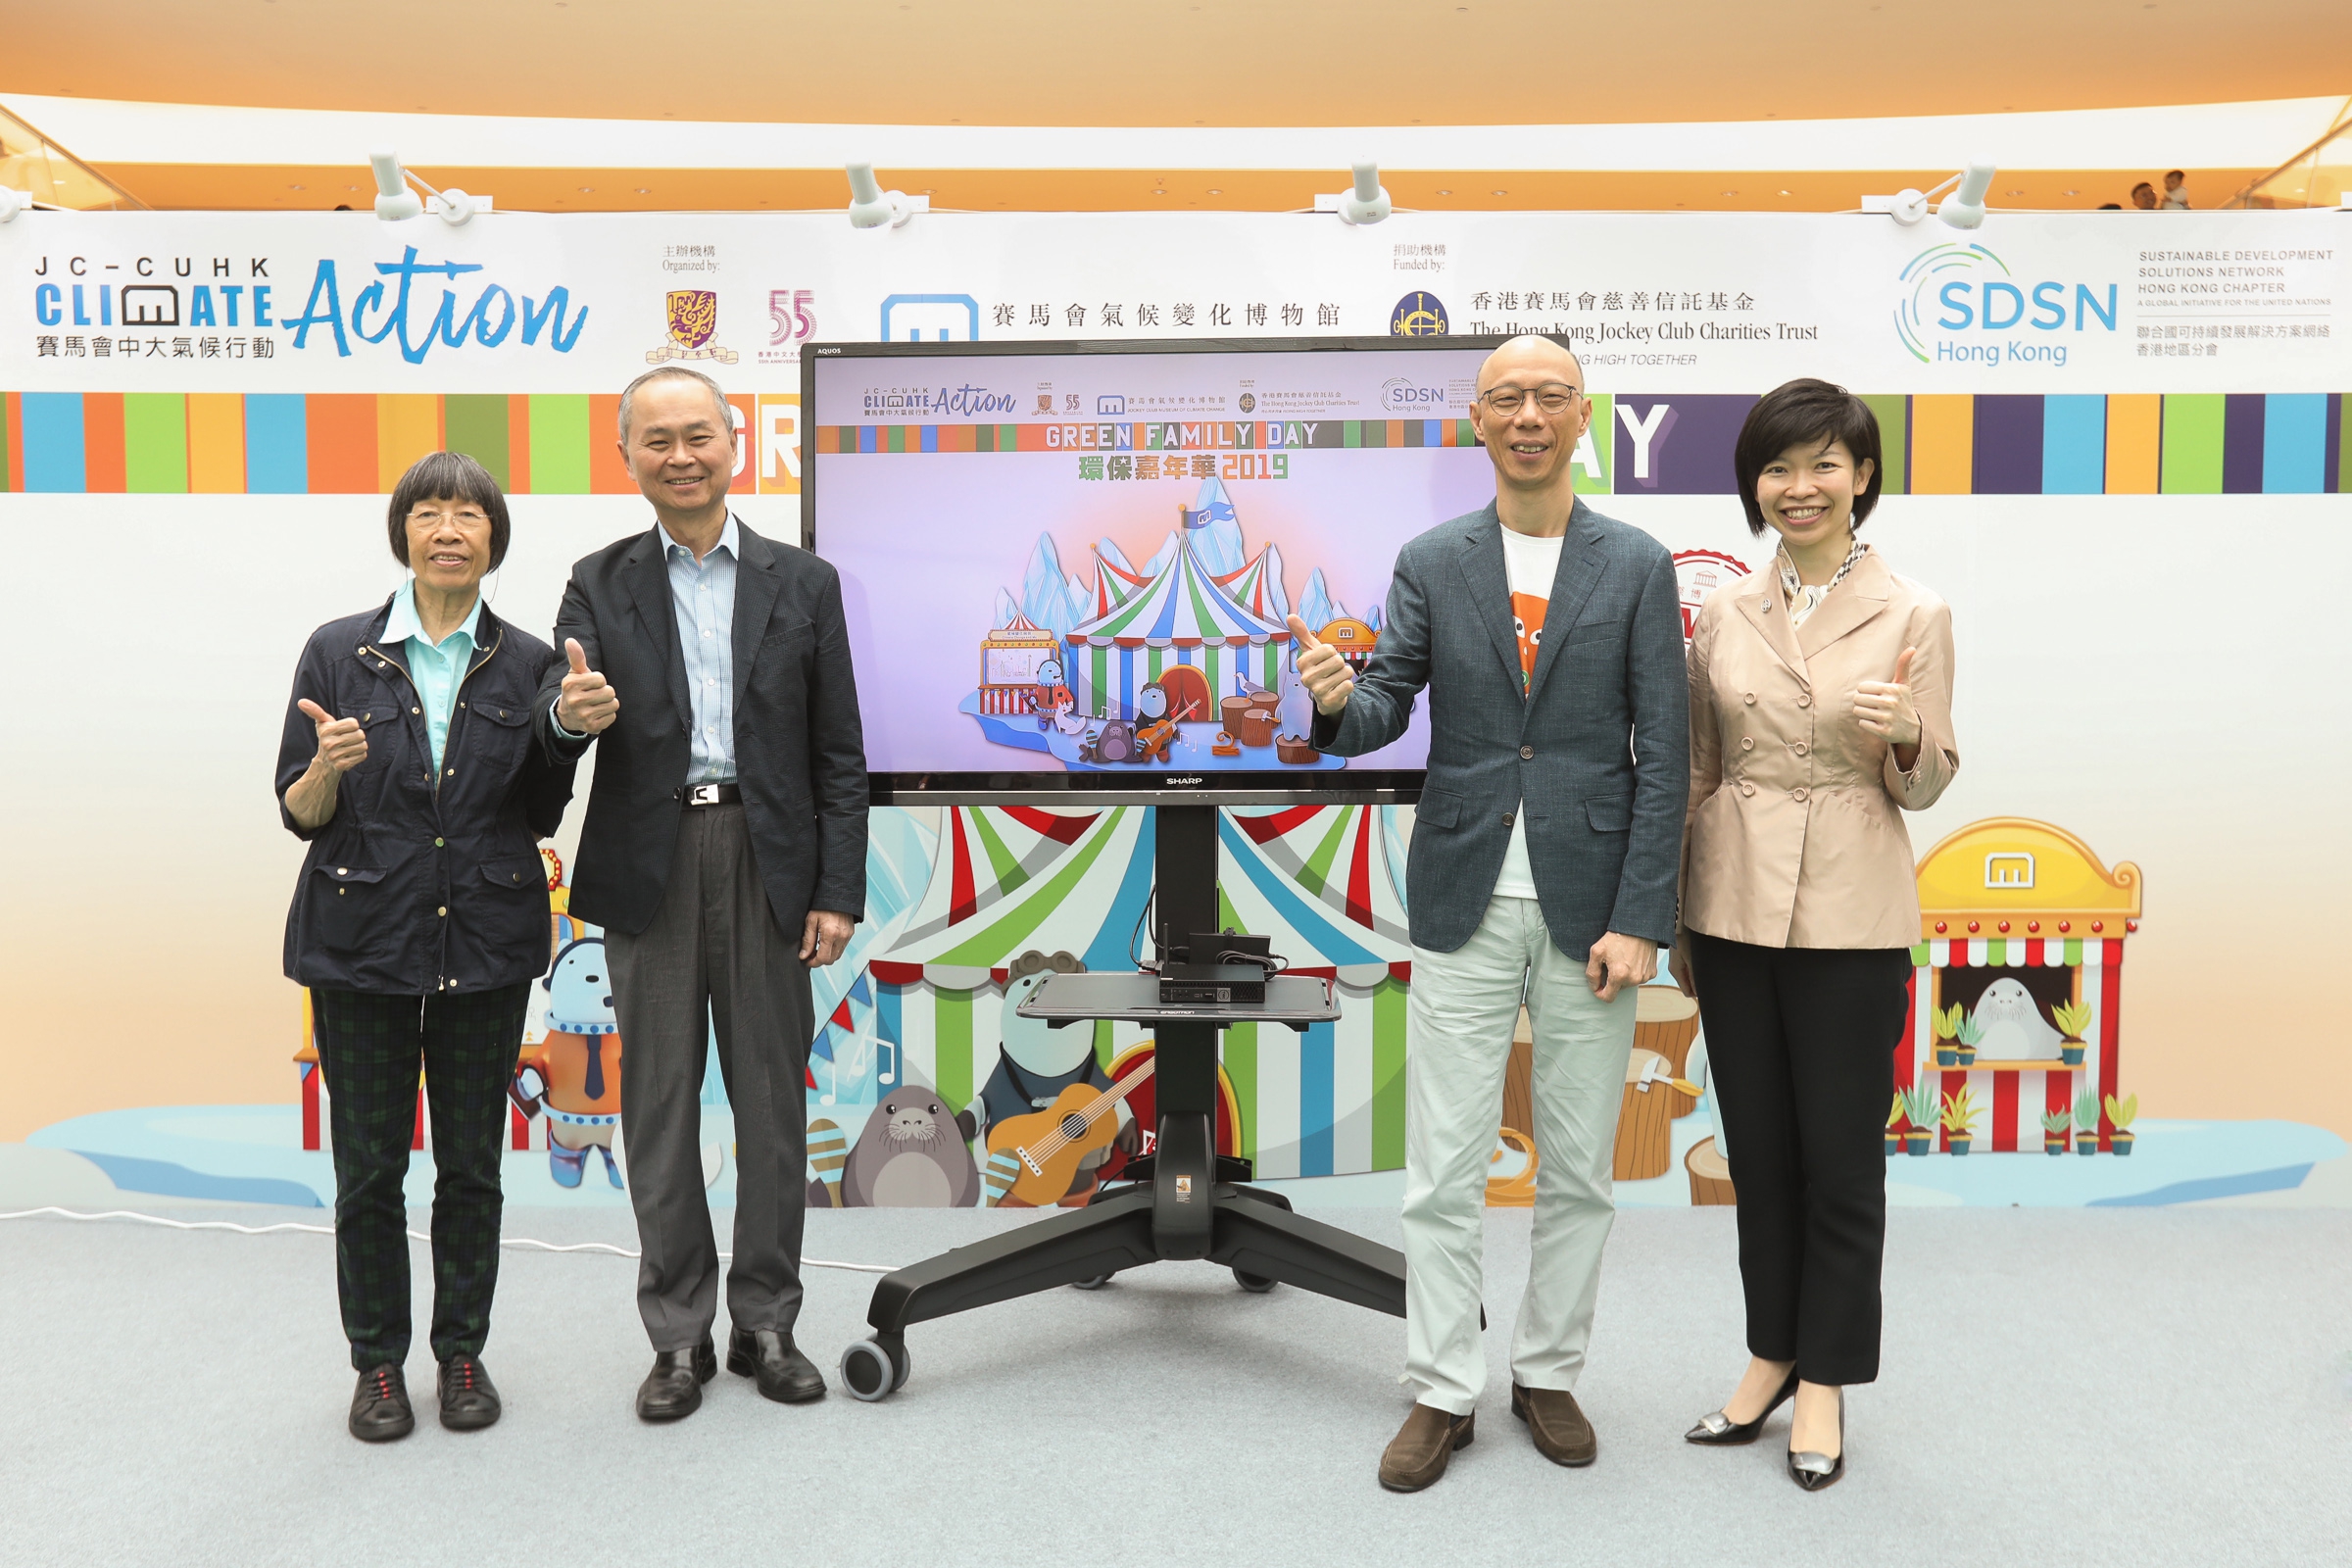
[574, 1073]
[1037, 1063]
[1050, 694]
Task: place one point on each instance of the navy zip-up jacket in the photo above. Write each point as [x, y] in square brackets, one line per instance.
[409, 889]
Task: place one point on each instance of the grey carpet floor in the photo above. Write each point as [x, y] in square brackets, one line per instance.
[2114, 1387]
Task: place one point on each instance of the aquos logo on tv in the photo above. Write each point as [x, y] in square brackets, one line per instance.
[1961, 304]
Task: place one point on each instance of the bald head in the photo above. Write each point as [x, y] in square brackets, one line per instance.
[1528, 360]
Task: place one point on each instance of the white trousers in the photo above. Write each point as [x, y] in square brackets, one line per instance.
[1463, 1009]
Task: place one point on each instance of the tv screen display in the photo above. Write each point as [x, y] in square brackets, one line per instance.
[1068, 568]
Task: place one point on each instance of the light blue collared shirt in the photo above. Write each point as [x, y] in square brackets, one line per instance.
[436, 668]
[703, 594]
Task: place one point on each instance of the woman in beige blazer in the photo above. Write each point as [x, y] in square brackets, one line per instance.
[1820, 712]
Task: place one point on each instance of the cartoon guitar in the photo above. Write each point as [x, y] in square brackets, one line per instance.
[1033, 1159]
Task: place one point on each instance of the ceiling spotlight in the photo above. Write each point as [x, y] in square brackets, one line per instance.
[394, 200]
[1963, 209]
[871, 207]
[1367, 203]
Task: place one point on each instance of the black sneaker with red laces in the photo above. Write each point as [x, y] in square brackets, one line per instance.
[379, 1407]
[469, 1399]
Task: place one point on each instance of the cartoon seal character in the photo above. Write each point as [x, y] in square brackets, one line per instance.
[2014, 1029]
[910, 1156]
[574, 1073]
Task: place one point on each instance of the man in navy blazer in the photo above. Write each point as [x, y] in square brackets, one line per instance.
[724, 853]
[1543, 864]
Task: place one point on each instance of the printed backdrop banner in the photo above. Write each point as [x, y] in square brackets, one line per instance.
[2114, 442]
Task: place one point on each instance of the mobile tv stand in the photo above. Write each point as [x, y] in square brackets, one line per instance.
[1185, 1200]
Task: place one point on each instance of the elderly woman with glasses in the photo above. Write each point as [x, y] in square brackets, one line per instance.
[420, 920]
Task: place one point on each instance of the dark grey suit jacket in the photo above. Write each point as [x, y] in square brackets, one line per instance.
[1597, 748]
[799, 748]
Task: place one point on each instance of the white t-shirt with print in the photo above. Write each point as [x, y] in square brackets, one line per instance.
[1531, 563]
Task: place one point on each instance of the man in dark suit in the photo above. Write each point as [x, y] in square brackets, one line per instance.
[1544, 863]
[723, 854]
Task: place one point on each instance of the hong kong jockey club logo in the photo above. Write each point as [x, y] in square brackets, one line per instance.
[1418, 315]
[1698, 573]
[693, 317]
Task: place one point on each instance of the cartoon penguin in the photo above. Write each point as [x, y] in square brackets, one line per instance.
[1039, 1061]
[574, 1073]
[2014, 1029]
[910, 1156]
[1050, 693]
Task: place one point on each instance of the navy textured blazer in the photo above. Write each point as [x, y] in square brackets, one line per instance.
[1597, 746]
[409, 890]
[800, 748]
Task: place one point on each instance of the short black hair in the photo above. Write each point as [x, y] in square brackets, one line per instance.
[447, 476]
[1805, 413]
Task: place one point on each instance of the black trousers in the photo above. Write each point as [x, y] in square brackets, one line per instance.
[1802, 1045]
[371, 1048]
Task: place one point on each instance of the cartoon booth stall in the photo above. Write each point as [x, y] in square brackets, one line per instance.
[2017, 993]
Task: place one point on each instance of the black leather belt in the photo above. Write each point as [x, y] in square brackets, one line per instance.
[712, 794]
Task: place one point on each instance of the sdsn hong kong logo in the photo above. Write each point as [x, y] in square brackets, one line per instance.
[1401, 395]
[1961, 304]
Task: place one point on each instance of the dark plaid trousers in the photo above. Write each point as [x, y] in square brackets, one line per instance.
[370, 1048]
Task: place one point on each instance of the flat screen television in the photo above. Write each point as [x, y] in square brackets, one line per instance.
[1068, 567]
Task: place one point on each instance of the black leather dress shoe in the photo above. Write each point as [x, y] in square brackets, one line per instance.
[767, 1357]
[673, 1389]
[379, 1407]
[468, 1399]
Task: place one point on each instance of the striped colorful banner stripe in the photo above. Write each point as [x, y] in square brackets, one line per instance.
[323, 443]
[328, 443]
[2126, 443]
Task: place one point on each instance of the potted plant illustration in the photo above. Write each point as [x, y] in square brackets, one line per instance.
[1895, 1125]
[2054, 1124]
[2086, 1122]
[1947, 1025]
[1960, 1114]
[2121, 1113]
[2072, 1019]
[1920, 1112]
[1965, 1035]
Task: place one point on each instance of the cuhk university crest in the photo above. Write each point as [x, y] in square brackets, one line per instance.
[693, 317]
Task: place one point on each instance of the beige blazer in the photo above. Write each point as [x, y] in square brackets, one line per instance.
[1794, 838]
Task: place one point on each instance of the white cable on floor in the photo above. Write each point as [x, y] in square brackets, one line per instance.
[415, 1236]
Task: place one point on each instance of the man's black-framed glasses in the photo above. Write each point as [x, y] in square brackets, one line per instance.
[1552, 397]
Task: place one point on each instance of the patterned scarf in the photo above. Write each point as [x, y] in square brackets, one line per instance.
[1805, 598]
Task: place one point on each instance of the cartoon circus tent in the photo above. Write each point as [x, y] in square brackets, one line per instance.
[2013, 903]
[1181, 615]
[1321, 881]
[1010, 657]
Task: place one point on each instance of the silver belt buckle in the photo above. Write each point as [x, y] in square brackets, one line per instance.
[701, 795]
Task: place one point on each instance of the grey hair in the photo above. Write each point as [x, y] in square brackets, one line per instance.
[628, 396]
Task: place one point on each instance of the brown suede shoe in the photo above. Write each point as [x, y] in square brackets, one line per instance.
[1417, 1454]
[1562, 1434]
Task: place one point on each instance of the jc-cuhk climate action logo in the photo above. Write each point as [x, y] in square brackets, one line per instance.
[1962, 304]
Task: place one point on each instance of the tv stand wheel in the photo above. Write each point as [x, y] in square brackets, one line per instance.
[871, 1371]
[1254, 1284]
[1094, 1284]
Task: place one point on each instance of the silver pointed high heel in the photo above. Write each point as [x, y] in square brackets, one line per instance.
[1717, 1429]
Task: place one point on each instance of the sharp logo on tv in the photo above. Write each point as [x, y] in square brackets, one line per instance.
[1962, 304]
[1189, 778]
[930, 318]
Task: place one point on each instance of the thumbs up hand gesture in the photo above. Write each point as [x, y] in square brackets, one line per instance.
[589, 703]
[1883, 707]
[1324, 672]
[342, 744]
